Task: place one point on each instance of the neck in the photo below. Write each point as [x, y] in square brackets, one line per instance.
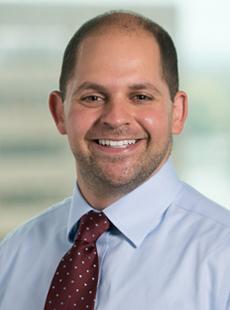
[101, 194]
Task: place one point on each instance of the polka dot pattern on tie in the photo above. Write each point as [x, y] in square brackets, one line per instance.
[75, 281]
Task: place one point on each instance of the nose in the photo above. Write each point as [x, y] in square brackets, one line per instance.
[116, 113]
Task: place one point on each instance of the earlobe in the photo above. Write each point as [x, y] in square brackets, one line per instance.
[180, 111]
[57, 110]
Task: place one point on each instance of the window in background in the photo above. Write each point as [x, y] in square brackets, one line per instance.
[36, 168]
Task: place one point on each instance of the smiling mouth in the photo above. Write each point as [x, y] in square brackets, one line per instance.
[116, 143]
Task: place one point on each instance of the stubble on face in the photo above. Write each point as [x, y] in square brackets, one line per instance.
[104, 176]
[103, 182]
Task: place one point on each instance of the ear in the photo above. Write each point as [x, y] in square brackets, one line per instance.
[56, 106]
[179, 112]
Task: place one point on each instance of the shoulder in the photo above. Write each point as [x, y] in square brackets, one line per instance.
[195, 203]
[202, 221]
[52, 219]
[204, 226]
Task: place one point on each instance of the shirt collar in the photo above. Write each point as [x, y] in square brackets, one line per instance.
[138, 212]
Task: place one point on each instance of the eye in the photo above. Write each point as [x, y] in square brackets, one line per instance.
[92, 99]
[142, 97]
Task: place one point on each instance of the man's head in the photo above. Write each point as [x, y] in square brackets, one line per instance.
[118, 110]
[127, 22]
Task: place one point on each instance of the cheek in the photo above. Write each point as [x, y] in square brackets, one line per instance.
[155, 122]
[74, 127]
[78, 123]
[149, 121]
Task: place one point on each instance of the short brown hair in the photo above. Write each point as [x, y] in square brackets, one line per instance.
[128, 21]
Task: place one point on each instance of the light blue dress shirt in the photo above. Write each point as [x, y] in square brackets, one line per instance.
[169, 249]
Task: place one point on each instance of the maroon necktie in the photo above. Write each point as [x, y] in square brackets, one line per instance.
[75, 281]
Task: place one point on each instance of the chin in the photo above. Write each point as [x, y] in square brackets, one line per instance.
[123, 181]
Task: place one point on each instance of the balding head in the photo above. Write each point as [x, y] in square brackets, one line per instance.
[119, 21]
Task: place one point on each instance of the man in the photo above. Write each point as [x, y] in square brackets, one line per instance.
[151, 242]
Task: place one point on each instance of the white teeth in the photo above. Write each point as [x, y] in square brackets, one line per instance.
[116, 144]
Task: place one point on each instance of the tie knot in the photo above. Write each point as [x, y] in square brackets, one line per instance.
[92, 225]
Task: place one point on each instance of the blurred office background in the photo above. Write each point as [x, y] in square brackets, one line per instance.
[36, 167]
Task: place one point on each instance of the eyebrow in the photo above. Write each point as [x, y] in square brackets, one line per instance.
[100, 88]
[145, 85]
[91, 85]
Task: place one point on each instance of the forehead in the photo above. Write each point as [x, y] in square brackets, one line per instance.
[118, 52]
[115, 47]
